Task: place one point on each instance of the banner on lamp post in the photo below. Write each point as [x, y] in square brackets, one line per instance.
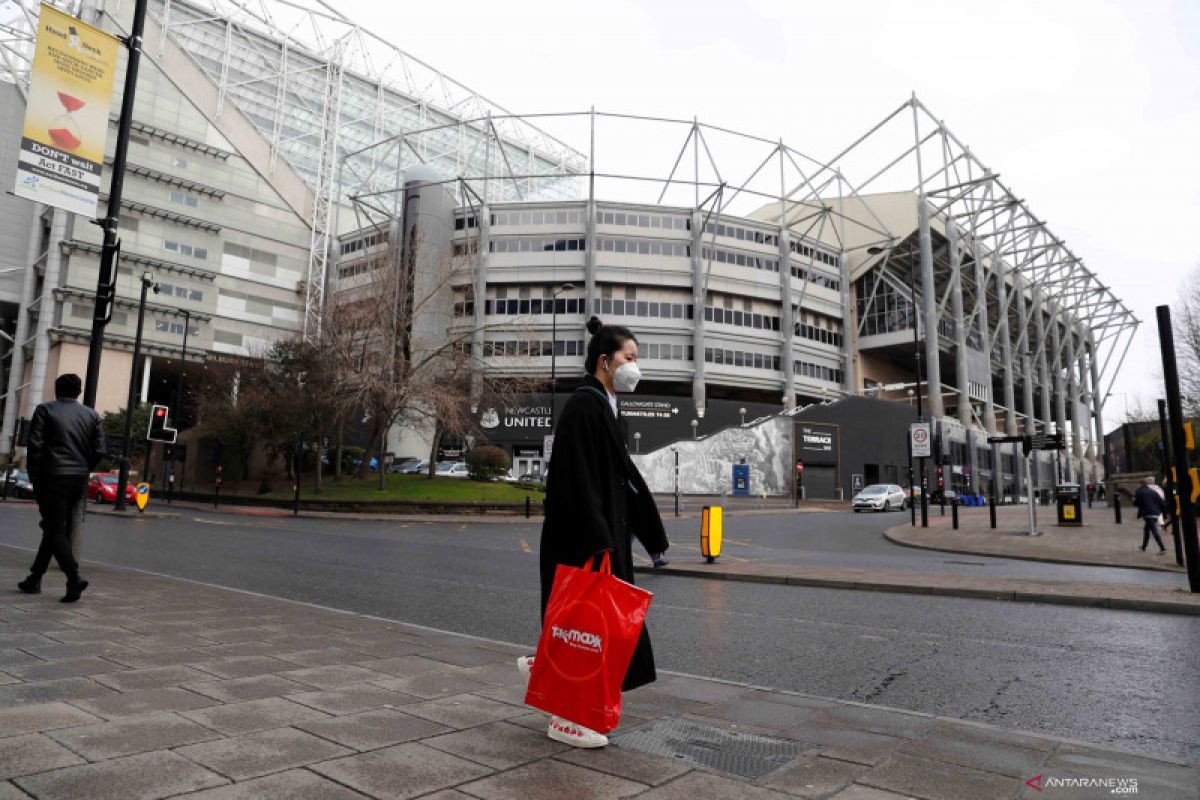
[66, 119]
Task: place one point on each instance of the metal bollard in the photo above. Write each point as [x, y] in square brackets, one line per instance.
[954, 513]
[526, 506]
[1117, 507]
[992, 512]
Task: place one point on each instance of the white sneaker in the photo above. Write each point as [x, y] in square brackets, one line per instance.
[525, 666]
[568, 732]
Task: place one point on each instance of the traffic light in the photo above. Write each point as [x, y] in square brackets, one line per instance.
[159, 432]
[941, 477]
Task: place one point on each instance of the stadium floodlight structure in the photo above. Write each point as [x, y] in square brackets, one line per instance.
[315, 84]
[999, 295]
[711, 173]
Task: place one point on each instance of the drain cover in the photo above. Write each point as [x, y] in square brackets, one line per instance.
[740, 754]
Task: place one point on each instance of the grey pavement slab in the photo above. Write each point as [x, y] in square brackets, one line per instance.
[371, 730]
[42, 717]
[630, 764]
[238, 689]
[499, 745]
[254, 715]
[10, 792]
[295, 784]
[241, 666]
[353, 699]
[128, 736]
[48, 691]
[68, 668]
[707, 786]
[332, 676]
[815, 776]
[32, 752]
[262, 753]
[937, 780]
[144, 701]
[463, 710]
[547, 780]
[403, 771]
[151, 678]
[149, 776]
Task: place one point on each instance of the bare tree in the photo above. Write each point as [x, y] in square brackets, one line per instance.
[406, 359]
[1187, 341]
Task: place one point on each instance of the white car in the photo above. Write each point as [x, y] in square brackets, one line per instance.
[880, 497]
[451, 469]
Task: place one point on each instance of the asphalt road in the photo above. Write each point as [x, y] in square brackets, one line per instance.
[1123, 678]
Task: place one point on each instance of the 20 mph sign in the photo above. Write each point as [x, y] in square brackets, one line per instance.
[919, 437]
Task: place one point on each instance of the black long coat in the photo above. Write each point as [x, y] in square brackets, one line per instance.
[596, 499]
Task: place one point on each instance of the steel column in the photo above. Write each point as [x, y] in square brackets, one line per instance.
[787, 319]
[16, 373]
[1060, 389]
[698, 397]
[850, 380]
[981, 324]
[961, 380]
[933, 367]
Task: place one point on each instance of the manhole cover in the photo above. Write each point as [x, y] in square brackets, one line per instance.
[740, 754]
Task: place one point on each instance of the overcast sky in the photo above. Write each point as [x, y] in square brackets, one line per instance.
[1089, 110]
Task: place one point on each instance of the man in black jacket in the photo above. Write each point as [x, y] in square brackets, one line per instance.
[1151, 506]
[65, 444]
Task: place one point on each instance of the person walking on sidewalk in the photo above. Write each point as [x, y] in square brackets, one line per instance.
[596, 499]
[65, 444]
[1150, 507]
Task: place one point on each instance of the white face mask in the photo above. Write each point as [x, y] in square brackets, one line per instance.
[626, 378]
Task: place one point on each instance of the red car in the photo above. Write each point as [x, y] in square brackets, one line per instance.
[103, 489]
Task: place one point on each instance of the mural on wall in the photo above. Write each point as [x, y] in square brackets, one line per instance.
[706, 465]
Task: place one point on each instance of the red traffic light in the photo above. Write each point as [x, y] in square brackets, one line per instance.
[160, 412]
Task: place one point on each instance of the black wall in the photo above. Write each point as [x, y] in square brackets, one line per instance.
[872, 438]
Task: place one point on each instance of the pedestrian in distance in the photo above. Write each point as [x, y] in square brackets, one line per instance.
[65, 444]
[1151, 506]
[596, 499]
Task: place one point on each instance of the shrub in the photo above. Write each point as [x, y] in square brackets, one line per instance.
[487, 463]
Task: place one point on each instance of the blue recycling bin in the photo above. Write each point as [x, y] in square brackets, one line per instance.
[741, 480]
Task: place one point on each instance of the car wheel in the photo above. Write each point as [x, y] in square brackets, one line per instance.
[887, 506]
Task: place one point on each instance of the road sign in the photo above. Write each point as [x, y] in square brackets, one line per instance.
[143, 496]
[920, 439]
[1048, 441]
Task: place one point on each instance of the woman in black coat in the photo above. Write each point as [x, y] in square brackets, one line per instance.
[596, 499]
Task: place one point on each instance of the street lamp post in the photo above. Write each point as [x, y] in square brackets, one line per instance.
[123, 476]
[742, 411]
[695, 425]
[566, 287]
[187, 324]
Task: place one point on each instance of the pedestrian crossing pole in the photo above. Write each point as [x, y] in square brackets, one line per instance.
[1184, 488]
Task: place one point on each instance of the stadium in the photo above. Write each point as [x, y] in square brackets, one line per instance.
[275, 160]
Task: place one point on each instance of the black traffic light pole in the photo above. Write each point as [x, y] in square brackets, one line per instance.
[127, 439]
[1171, 486]
[1183, 486]
[106, 285]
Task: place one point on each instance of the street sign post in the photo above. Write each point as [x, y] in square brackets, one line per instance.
[920, 437]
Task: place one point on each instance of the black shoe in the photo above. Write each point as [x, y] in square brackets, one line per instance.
[1143, 549]
[31, 585]
[74, 590]
[659, 560]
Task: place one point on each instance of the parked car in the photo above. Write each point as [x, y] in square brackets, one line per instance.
[19, 484]
[452, 469]
[415, 468]
[103, 489]
[401, 464]
[880, 497]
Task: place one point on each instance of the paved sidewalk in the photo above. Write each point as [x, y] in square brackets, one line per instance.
[1100, 541]
[1101, 594]
[155, 687]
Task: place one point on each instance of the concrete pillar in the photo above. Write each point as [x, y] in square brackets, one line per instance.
[1006, 353]
[1060, 388]
[479, 318]
[698, 395]
[850, 379]
[787, 321]
[1042, 368]
[144, 395]
[1097, 402]
[16, 375]
[933, 369]
[47, 307]
[961, 381]
[589, 262]
[1026, 372]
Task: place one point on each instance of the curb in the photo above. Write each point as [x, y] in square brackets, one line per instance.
[887, 534]
[1047, 596]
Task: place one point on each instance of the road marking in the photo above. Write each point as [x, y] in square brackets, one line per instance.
[525, 546]
[462, 527]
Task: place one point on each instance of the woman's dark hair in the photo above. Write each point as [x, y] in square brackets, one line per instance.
[606, 340]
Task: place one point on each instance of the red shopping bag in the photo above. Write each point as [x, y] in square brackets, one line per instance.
[591, 628]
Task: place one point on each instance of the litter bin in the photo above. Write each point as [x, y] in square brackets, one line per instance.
[1070, 507]
[741, 480]
[712, 520]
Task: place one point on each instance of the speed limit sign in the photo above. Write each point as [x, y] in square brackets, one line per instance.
[919, 436]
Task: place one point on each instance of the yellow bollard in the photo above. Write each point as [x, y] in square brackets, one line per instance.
[711, 523]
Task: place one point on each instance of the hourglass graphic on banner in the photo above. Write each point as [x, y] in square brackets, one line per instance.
[64, 130]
